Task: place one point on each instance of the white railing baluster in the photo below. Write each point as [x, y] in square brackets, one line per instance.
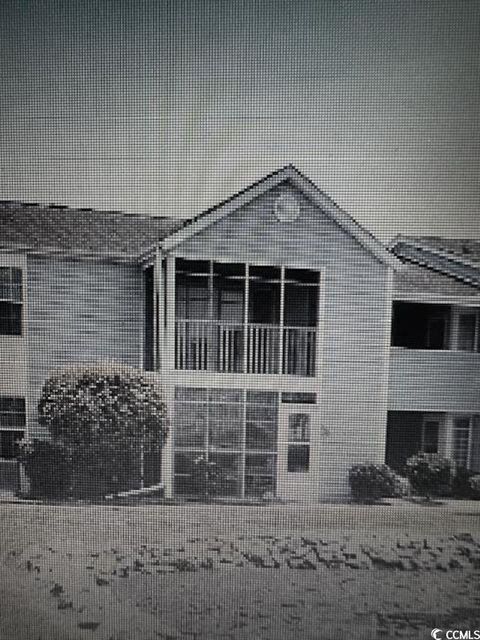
[226, 348]
[202, 345]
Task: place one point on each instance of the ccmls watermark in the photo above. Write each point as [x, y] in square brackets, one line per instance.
[455, 634]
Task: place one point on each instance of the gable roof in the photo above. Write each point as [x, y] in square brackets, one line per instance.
[80, 232]
[456, 258]
[73, 232]
[303, 184]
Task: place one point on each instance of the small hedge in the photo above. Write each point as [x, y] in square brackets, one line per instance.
[48, 467]
[370, 482]
[466, 484]
[474, 482]
[430, 474]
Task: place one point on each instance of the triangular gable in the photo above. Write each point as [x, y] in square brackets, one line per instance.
[321, 200]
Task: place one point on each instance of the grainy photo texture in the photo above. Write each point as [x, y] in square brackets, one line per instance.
[239, 320]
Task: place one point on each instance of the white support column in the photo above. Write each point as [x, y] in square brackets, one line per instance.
[167, 369]
[159, 313]
[169, 347]
[281, 321]
[245, 320]
[155, 318]
[210, 327]
[167, 450]
[244, 443]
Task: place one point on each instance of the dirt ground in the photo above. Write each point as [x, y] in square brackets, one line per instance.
[214, 572]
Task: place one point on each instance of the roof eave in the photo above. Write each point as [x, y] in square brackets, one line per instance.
[72, 254]
[418, 244]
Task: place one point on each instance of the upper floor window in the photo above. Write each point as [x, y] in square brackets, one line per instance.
[421, 326]
[468, 330]
[11, 296]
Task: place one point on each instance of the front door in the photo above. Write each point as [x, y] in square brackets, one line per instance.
[295, 452]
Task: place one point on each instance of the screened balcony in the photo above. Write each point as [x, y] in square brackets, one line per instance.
[237, 318]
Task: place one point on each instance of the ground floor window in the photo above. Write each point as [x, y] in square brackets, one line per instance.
[12, 425]
[462, 441]
[411, 432]
[236, 429]
[430, 431]
[8, 443]
[454, 436]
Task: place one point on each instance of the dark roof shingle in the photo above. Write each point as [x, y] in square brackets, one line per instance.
[416, 280]
[464, 249]
[456, 258]
[80, 231]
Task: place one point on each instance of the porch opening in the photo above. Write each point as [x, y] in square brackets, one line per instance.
[239, 318]
[435, 326]
[235, 430]
[420, 326]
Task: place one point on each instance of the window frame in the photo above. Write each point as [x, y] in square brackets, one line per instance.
[467, 311]
[303, 442]
[14, 325]
[12, 426]
[428, 420]
[210, 397]
[468, 429]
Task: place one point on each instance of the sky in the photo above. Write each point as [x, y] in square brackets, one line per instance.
[168, 107]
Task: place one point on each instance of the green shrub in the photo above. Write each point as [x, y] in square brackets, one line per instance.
[105, 416]
[370, 482]
[48, 468]
[474, 482]
[461, 487]
[429, 474]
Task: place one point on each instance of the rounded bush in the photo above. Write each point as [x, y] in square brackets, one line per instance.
[370, 482]
[430, 474]
[105, 416]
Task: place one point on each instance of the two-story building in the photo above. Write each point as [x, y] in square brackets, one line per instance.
[290, 342]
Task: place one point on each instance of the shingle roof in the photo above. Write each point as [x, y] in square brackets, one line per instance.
[465, 249]
[437, 266]
[416, 281]
[85, 232]
[80, 231]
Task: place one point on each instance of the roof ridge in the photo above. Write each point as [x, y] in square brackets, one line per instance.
[70, 209]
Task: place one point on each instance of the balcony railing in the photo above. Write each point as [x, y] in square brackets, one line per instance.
[223, 347]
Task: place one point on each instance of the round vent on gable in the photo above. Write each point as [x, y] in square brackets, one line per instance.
[286, 208]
